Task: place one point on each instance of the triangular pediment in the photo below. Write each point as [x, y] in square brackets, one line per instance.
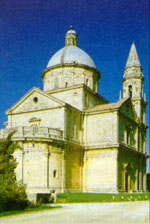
[128, 110]
[35, 100]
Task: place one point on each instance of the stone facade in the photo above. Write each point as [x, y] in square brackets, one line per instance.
[71, 138]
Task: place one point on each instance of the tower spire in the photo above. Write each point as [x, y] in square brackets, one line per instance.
[133, 60]
[133, 82]
[133, 67]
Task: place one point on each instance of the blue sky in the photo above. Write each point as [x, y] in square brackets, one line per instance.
[33, 30]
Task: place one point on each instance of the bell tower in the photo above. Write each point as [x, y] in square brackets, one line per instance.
[133, 83]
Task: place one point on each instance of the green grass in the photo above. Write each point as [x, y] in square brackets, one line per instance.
[84, 198]
[40, 208]
[94, 197]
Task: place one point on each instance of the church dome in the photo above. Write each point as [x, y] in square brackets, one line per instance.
[71, 53]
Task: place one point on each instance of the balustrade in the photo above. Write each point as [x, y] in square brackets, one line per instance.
[33, 131]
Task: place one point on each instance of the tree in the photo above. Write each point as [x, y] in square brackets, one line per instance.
[12, 193]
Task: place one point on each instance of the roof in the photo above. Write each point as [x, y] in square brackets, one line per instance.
[133, 60]
[71, 55]
[107, 106]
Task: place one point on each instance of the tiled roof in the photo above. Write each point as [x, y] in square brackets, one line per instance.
[107, 106]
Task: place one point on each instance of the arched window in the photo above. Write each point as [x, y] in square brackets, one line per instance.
[55, 173]
[130, 90]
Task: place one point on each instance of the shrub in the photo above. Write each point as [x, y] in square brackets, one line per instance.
[12, 194]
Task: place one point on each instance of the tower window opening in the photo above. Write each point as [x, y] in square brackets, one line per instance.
[87, 81]
[66, 84]
[130, 90]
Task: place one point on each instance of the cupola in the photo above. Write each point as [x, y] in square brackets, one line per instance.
[71, 37]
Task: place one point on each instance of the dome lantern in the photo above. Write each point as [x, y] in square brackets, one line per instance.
[71, 37]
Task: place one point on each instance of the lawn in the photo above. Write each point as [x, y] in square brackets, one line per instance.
[84, 198]
[96, 197]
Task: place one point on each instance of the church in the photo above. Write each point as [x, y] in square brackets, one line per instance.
[71, 138]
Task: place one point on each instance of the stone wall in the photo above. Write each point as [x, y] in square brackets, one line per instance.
[73, 168]
[72, 96]
[100, 170]
[101, 129]
[48, 118]
[40, 167]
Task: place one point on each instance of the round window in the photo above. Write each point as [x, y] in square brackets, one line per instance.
[35, 100]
